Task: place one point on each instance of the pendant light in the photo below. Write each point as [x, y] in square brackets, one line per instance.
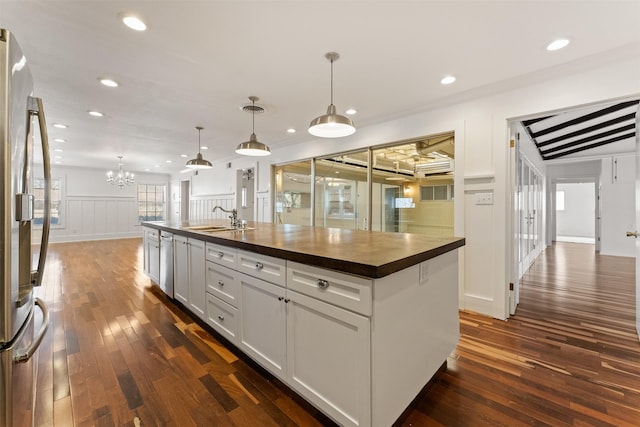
[253, 147]
[199, 162]
[331, 125]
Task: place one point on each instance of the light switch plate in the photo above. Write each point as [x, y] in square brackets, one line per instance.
[484, 198]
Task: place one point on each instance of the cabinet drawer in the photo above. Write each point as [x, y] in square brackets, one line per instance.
[223, 318]
[223, 255]
[263, 267]
[151, 232]
[223, 283]
[342, 290]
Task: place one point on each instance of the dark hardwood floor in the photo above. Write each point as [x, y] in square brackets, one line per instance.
[119, 353]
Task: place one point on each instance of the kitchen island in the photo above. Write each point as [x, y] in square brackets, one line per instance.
[356, 322]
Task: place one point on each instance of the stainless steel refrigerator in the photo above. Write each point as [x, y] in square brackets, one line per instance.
[20, 113]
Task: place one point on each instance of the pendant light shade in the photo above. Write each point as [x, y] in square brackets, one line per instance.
[331, 125]
[199, 162]
[253, 147]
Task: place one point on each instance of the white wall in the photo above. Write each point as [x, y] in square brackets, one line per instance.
[217, 186]
[93, 209]
[579, 215]
[482, 160]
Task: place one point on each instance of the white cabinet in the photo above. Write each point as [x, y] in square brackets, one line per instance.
[343, 290]
[189, 274]
[151, 241]
[223, 283]
[222, 290]
[329, 358]
[263, 267]
[181, 269]
[223, 318]
[263, 323]
[223, 255]
[332, 337]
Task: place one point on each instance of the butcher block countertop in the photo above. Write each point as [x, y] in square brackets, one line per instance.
[370, 254]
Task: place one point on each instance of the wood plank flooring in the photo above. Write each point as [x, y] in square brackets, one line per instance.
[119, 353]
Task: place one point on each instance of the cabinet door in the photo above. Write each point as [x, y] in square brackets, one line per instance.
[197, 281]
[152, 254]
[263, 323]
[329, 358]
[181, 269]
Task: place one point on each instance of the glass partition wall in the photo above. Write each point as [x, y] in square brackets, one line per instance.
[293, 193]
[342, 191]
[401, 187]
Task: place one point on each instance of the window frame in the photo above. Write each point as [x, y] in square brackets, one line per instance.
[560, 201]
[60, 200]
[139, 202]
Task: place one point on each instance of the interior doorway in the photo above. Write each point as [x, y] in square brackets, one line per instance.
[575, 212]
[585, 156]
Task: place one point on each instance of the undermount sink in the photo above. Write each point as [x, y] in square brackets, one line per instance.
[207, 227]
[215, 228]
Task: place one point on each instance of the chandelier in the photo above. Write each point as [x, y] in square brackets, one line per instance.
[121, 178]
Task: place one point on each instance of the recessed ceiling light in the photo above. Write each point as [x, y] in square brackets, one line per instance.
[351, 111]
[169, 161]
[204, 147]
[58, 163]
[58, 157]
[447, 80]
[59, 125]
[147, 169]
[183, 155]
[108, 82]
[96, 113]
[291, 130]
[59, 139]
[156, 166]
[134, 23]
[58, 150]
[557, 44]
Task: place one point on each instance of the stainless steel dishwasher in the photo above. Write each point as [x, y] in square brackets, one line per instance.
[166, 263]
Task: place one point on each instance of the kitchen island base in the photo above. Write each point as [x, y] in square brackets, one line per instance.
[359, 349]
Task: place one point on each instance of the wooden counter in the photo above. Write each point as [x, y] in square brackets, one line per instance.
[369, 254]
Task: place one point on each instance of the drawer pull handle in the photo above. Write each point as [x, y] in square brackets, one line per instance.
[220, 282]
[280, 298]
[323, 284]
[259, 266]
[221, 317]
[220, 254]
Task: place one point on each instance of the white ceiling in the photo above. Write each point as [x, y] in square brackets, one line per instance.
[200, 60]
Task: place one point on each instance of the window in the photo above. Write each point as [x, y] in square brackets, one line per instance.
[151, 202]
[560, 200]
[56, 201]
[436, 192]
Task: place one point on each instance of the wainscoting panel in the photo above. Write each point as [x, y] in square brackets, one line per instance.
[95, 218]
[263, 207]
[201, 208]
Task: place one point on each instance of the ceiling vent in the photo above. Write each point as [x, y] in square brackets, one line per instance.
[438, 167]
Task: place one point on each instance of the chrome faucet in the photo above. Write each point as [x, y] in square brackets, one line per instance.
[233, 216]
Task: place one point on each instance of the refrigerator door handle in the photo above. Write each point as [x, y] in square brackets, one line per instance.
[23, 355]
[35, 107]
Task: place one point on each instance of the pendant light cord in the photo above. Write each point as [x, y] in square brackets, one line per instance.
[253, 116]
[332, 82]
